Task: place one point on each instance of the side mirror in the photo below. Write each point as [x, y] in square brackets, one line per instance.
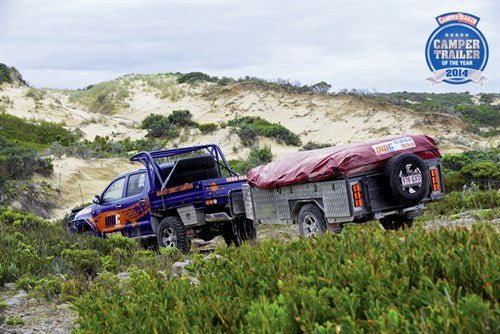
[96, 199]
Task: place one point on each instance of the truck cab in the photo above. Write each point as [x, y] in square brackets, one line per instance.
[121, 208]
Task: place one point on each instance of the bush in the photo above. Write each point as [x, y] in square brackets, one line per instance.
[18, 162]
[313, 146]
[458, 201]
[321, 87]
[364, 280]
[477, 166]
[257, 156]
[83, 261]
[248, 128]
[4, 74]
[193, 77]
[207, 127]
[159, 126]
[181, 118]
[36, 252]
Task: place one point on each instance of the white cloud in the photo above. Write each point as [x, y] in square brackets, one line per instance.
[349, 44]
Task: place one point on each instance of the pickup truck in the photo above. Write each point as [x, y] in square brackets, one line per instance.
[181, 194]
[388, 179]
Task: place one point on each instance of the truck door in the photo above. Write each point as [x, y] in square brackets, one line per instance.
[135, 206]
[108, 211]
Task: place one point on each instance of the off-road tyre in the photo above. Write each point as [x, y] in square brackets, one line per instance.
[406, 165]
[149, 243]
[173, 233]
[394, 223]
[239, 231]
[311, 221]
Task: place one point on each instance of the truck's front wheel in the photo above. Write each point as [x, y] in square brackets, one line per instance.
[173, 233]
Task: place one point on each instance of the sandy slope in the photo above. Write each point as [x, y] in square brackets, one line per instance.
[332, 119]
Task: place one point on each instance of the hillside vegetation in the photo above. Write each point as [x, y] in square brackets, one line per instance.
[482, 115]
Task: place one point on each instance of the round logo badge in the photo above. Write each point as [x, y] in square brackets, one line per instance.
[457, 52]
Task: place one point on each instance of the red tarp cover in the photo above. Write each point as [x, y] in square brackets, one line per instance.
[350, 159]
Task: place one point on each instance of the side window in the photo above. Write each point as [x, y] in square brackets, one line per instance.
[136, 184]
[114, 191]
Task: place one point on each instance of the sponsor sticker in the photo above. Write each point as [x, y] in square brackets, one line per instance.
[457, 52]
[393, 145]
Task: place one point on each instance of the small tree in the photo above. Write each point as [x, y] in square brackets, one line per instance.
[321, 87]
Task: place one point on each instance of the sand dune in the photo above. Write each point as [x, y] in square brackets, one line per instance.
[330, 119]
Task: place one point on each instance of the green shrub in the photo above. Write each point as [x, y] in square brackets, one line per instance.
[476, 166]
[159, 126]
[4, 74]
[193, 77]
[18, 162]
[455, 202]
[207, 127]
[181, 118]
[321, 87]
[225, 81]
[248, 128]
[313, 146]
[364, 280]
[85, 261]
[257, 156]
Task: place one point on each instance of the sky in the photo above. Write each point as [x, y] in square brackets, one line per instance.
[375, 45]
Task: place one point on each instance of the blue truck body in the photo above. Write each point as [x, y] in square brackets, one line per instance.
[184, 191]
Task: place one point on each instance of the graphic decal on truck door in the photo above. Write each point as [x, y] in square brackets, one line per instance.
[124, 204]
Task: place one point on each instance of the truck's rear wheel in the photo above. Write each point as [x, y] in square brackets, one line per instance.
[239, 231]
[173, 233]
[311, 221]
[396, 222]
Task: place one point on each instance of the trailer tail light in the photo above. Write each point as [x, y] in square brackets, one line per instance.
[211, 201]
[356, 195]
[435, 180]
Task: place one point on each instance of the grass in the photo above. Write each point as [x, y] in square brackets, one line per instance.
[106, 97]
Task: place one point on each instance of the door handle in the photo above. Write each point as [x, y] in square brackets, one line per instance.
[118, 206]
[142, 200]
